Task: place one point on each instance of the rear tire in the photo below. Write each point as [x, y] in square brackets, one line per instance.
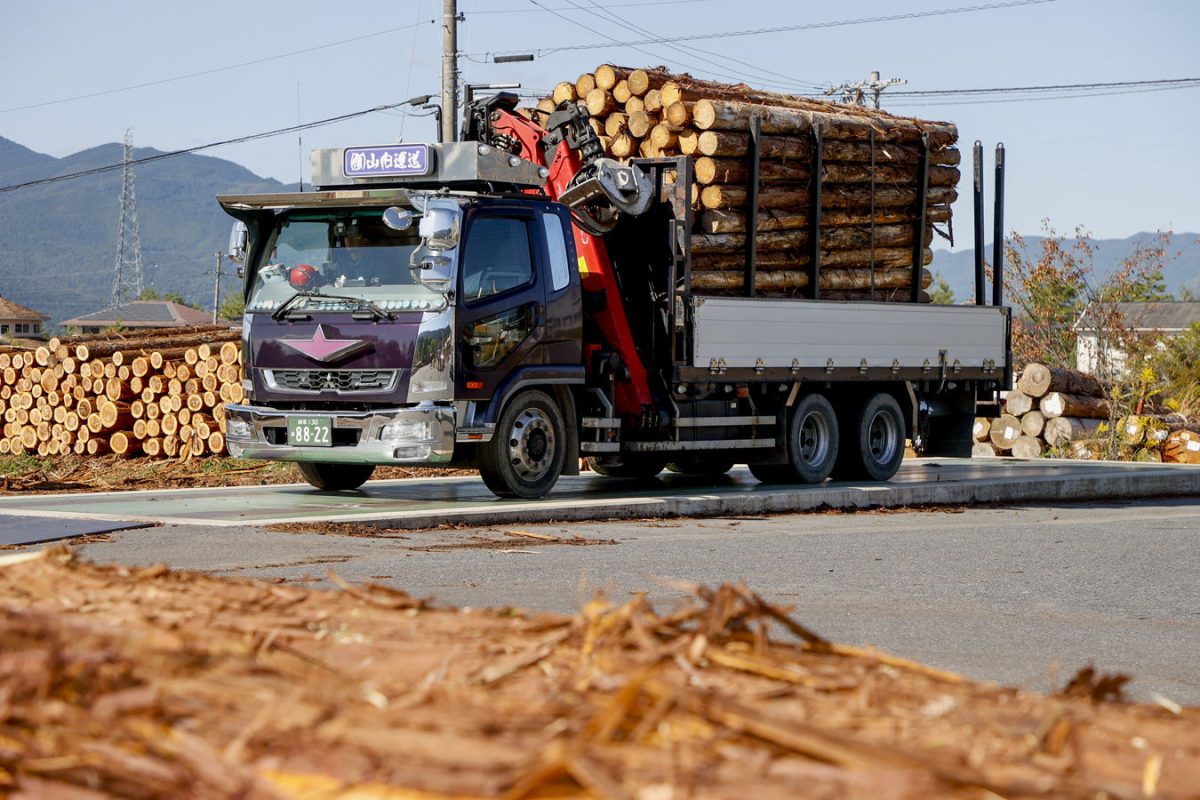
[872, 441]
[812, 444]
[630, 465]
[335, 477]
[701, 466]
[525, 456]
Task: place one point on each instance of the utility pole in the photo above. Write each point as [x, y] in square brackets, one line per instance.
[859, 92]
[450, 20]
[217, 287]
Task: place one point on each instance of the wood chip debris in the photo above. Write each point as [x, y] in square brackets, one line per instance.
[147, 683]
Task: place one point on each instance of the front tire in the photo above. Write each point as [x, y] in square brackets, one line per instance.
[525, 456]
[336, 477]
[872, 444]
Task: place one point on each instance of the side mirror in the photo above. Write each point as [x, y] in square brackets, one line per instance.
[398, 219]
[439, 227]
[239, 243]
[432, 270]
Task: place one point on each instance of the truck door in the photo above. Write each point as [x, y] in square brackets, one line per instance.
[502, 297]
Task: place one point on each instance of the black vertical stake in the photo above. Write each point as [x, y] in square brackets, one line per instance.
[919, 230]
[752, 205]
[814, 241]
[998, 232]
[980, 280]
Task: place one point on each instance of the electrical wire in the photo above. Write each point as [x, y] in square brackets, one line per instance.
[1165, 82]
[701, 53]
[780, 29]
[1042, 97]
[186, 151]
[214, 70]
[611, 5]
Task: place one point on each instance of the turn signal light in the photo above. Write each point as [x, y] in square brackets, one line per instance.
[474, 384]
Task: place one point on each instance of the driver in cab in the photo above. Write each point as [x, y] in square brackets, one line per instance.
[364, 259]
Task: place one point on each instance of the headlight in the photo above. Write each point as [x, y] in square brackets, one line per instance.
[406, 431]
[237, 429]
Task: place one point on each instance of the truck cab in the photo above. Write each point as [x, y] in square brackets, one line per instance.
[384, 326]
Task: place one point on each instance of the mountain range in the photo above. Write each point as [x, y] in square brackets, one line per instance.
[58, 240]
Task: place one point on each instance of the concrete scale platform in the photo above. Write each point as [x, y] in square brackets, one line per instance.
[428, 503]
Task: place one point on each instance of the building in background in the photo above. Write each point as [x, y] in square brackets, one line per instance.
[19, 322]
[1165, 319]
[140, 314]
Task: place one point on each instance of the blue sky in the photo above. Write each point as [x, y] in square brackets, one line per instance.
[1114, 164]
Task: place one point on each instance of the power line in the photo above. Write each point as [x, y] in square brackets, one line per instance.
[159, 156]
[568, 8]
[1035, 98]
[214, 70]
[696, 52]
[1164, 82]
[780, 29]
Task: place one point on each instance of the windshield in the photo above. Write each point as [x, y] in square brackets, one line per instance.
[343, 254]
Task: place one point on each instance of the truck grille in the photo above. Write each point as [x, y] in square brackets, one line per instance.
[342, 381]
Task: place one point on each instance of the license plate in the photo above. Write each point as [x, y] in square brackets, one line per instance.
[310, 432]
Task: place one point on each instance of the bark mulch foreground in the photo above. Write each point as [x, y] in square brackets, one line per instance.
[118, 682]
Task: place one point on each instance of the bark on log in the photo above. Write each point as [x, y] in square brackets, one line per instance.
[1027, 446]
[1060, 431]
[772, 260]
[1018, 403]
[768, 220]
[1061, 404]
[835, 122]
[1005, 431]
[832, 279]
[846, 238]
[1037, 380]
[733, 144]
[733, 196]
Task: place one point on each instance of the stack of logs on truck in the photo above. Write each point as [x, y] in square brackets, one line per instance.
[874, 178]
[157, 393]
[1055, 411]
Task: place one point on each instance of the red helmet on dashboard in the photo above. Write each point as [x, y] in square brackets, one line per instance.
[303, 275]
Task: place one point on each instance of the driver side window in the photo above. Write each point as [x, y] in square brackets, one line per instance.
[496, 258]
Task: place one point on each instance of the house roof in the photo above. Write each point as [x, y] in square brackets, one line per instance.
[15, 311]
[143, 314]
[1172, 316]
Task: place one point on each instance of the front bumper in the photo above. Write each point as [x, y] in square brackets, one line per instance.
[422, 434]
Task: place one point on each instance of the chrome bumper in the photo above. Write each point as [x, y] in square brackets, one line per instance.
[422, 434]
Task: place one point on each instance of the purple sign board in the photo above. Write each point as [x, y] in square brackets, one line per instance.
[384, 160]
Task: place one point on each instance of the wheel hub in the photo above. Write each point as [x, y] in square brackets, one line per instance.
[882, 439]
[814, 439]
[531, 447]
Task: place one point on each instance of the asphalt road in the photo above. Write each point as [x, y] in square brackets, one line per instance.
[1013, 595]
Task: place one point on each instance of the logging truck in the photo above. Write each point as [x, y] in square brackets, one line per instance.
[516, 301]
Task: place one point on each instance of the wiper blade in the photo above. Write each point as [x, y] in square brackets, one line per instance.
[372, 309]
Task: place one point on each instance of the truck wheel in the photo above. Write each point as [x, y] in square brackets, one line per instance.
[630, 465]
[872, 441]
[709, 466]
[812, 443]
[336, 477]
[525, 456]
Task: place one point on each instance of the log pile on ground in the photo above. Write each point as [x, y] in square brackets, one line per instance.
[139, 683]
[869, 181]
[159, 393]
[1063, 412]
